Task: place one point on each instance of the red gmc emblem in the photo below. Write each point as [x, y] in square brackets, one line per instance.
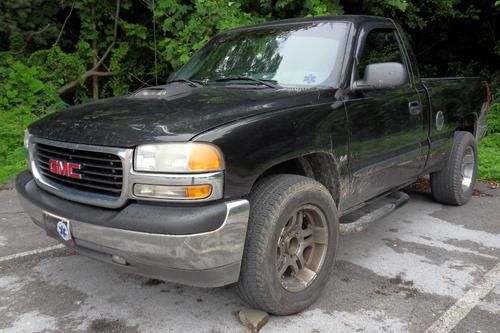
[65, 168]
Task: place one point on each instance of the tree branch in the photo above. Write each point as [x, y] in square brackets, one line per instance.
[141, 81]
[117, 16]
[64, 24]
[37, 32]
[93, 71]
[75, 83]
[30, 36]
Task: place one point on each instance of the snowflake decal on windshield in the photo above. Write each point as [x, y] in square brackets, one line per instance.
[309, 79]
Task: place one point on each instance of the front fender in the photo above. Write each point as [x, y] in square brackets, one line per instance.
[253, 145]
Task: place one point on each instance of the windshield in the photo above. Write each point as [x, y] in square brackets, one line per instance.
[292, 55]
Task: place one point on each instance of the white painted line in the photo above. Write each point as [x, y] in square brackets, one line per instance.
[463, 306]
[30, 253]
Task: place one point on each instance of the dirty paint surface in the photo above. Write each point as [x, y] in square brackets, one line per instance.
[399, 275]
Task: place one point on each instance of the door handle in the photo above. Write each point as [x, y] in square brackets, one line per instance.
[414, 108]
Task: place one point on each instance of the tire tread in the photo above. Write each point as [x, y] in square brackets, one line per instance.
[445, 184]
[265, 203]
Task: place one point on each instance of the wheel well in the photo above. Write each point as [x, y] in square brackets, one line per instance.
[319, 166]
[468, 124]
[297, 166]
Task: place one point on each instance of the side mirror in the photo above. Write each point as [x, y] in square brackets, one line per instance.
[383, 75]
[171, 76]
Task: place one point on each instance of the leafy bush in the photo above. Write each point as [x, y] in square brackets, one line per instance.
[489, 157]
[187, 26]
[23, 99]
[494, 118]
[489, 148]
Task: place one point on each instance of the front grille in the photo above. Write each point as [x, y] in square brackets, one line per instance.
[101, 173]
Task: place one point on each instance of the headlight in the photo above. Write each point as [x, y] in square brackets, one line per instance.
[178, 158]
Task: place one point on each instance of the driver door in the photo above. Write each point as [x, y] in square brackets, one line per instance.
[386, 124]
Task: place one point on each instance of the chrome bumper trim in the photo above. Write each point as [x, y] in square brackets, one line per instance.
[193, 252]
[220, 250]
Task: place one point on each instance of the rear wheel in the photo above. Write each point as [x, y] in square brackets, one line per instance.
[453, 185]
[290, 246]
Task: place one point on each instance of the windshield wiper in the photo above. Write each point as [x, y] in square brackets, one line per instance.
[196, 83]
[267, 83]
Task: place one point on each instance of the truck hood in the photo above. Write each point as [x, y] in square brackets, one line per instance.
[179, 114]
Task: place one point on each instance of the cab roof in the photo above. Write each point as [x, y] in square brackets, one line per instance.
[354, 19]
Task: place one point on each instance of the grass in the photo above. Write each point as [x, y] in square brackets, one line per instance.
[489, 148]
[13, 164]
[489, 157]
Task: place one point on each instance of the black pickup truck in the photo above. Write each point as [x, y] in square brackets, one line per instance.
[238, 169]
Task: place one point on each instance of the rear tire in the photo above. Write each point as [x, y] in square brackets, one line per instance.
[290, 245]
[453, 185]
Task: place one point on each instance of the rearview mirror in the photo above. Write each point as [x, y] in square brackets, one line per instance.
[383, 75]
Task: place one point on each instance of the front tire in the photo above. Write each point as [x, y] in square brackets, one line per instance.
[290, 245]
[453, 185]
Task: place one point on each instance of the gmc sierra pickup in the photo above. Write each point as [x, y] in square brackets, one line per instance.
[238, 169]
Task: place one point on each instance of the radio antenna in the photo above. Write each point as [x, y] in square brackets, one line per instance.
[154, 40]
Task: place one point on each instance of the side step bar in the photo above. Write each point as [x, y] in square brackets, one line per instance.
[359, 220]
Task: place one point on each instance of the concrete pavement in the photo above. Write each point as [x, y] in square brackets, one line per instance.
[404, 273]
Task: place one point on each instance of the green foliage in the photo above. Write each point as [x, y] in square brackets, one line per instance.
[24, 27]
[489, 148]
[59, 66]
[322, 8]
[24, 97]
[489, 157]
[189, 25]
[117, 85]
[494, 118]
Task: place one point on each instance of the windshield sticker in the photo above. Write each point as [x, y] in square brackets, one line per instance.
[309, 79]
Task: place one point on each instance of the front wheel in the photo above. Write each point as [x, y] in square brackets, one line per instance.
[290, 246]
[453, 185]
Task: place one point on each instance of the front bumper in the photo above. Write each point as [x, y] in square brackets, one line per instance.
[204, 250]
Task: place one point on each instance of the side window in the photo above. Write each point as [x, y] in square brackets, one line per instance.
[381, 45]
